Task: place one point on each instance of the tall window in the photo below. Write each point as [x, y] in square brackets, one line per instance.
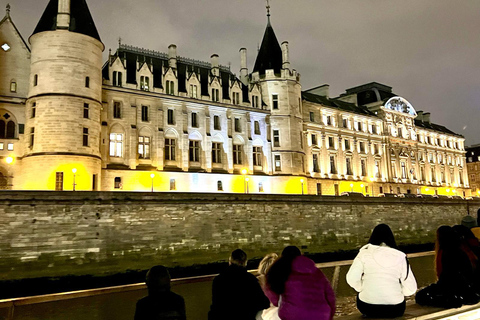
[331, 143]
[400, 132]
[316, 167]
[144, 83]
[345, 122]
[377, 169]
[170, 87]
[194, 151]
[87, 82]
[275, 101]
[362, 147]
[216, 152]
[314, 139]
[13, 86]
[434, 179]
[359, 126]
[7, 131]
[329, 120]
[374, 129]
[116, 145]
[238, 127]
[117, 79]
[170, 149]
[363, 165]
[59, 181]
[256, 125]
[117, 182]
[85, 137]
[32, 137]
[144, 113]
[349, 166]
[193, 91]
[278, 163]
[86, 110]
[215, 95]
[255, 102]
[276, 138]
[312, 117]
[376, 149]
[170, 117]
[117, 110]
[219, 186]
[34, 109]
[194, 120]
[394, 169]
[237, 154]
[422, 173]
[347, 145]
[404, 170]
[460, 177]
[333, 168]
[35, 80]
[144, 147]
[216, 123]
[173, 185]
[236, 97]
[257, 156]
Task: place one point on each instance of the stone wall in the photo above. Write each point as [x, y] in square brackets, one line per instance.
[59, 233]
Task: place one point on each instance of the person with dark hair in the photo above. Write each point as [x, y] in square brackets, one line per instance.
[161, 303]
[382, 276]
[236, 294]
[299, 288]
[476, 229]
[470, 245]
[455, 274]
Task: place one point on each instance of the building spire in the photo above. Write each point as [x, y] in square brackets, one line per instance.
[8, 10]
[268, 11]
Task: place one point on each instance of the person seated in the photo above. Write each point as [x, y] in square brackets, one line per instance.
[455, 274]
[263, 267]
[470, 245]
[299, 288]
[382, 276]
[236, 294]
[161, 303]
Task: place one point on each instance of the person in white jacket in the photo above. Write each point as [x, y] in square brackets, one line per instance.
[382, 276]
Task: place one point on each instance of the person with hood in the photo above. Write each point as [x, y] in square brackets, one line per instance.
[161, 303]
[299, 288]
[382, 276]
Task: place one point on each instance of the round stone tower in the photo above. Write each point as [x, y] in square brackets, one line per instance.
[62, 130]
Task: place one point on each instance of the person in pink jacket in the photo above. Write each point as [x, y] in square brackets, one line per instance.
[299, 288]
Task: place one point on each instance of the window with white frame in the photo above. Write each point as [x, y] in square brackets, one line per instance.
[170, 87]
[215, 95]
[278, 163]
[116, 145]
[193, 91]
[194, 151]
[117, 79]
[276, 138]
[144, 147]
[236, 98]
[144, 83]
[216, 152]
[170, 149]
[237, 154]
[257, 156]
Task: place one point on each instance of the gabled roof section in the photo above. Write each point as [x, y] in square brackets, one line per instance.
[7, 18]
[435, 127]
[270, 54]
[337, 104]
[81, 20]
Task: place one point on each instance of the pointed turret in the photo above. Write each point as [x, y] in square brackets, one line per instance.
[270, 53]
[73, 15]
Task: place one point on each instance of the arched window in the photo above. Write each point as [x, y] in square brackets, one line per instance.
[11, 130]
[2, 129]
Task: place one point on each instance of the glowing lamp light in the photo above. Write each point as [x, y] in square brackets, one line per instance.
[244, 171]
[448, 190]
[427, 189]
[152, 175]
[372, 179]
[301, 180]
[74, 170]
[247, 179]
[9, 160]
[362, 185]
[351, 185]
[454, 191]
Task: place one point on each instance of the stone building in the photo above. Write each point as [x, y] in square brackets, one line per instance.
[153, 121]
[473, 168]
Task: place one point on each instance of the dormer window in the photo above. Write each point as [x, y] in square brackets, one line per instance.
[193, 91]
[255, 101]
[144, 83]
[215, 95]
[117, 79]
[236, 98]
[170, 86]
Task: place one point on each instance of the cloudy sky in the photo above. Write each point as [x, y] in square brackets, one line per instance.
[427, 50]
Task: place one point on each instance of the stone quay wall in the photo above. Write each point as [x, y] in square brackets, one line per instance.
[62, 233]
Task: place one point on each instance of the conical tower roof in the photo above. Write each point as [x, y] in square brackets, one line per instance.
[270, 54]
[81, 20]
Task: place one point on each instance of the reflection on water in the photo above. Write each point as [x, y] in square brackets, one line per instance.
[121, 306]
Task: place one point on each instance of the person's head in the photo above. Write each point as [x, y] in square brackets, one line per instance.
[158, 279]
[266, 262]
[383, 234]
[478, 217]
[238, 257]
[447, 240]
[280, 270]
[469, 222]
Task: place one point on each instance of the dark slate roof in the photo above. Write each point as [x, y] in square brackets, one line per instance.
[159, 61]
[270, 54]
[435, 127]
[81, 20]
[337, 104]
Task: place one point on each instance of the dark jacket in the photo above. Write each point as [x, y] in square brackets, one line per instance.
[236, 295]
[161, 306]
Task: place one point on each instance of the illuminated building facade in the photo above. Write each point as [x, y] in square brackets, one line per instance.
[473, 168]
[146, 120]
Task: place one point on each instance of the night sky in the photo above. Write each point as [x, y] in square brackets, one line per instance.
[427, 50]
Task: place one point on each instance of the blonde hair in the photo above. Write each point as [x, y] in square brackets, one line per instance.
[266, 262]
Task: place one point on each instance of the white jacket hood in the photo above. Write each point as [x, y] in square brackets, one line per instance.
[385, 256]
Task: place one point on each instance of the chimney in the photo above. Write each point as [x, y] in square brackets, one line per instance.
[172, 56]
[426, 117]
[243, 66]
[215, 65]
[285, 55]
[63, 17]
[419, 115]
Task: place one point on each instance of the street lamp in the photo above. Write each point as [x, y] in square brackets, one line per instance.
[351, 186]
[246, 182]
[9, 160]
[361, 186]
[152, 176]
[301, 180]
[244, 173]
[74, 170]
